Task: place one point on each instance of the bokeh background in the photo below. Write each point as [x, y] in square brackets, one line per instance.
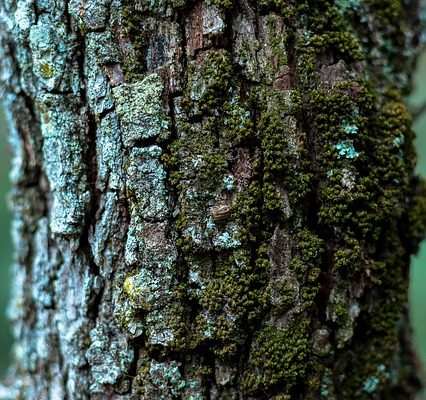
[418, 270]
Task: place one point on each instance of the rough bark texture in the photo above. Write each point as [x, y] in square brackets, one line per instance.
[213, 199]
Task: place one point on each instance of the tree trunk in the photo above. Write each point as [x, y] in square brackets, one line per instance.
[212, 199]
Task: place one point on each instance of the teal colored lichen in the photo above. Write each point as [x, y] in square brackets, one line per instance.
[370, 385]
[346, 149]
[349, 128]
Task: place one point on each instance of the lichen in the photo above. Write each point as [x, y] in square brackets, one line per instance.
[109, 356]
[62, 129]
[140, 110]
[146, 188]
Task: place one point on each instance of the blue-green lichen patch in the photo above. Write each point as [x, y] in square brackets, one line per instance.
[109, 356]
[144, 289]
[150, 288]
[62, 131]
[167, 378]
[52, 54]
[146, 183]
[91, 15]
[110, 159]
[160, 380]
[148, 243]
[140, 109]
[346, 149]
[24, 16]
[102, 47]
[103, 51]
[98, 89]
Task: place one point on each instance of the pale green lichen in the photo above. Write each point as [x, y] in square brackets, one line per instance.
[140, 109]
[62, 129]
[167, 379]
[109, 356]
[91, 14]
[102, 48]
[110, 159]
[146, 183]
[228, 182]
[25, 15]
[98, 90]
[227, 240]
[52, 52]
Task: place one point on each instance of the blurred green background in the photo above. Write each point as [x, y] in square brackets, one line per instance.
[418, 271]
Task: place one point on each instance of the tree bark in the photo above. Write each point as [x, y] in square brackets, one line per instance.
[212, 199]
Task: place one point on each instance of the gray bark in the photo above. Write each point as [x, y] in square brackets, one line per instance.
[212, 199]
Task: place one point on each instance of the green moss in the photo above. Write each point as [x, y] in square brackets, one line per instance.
[248, 212]
[325, 33]
[223, 4]
[232, 301]
[310, 246]
[238, 124]
[209, 83]
[280, 358]
[306, 263]
[284, 154]
[134, 64]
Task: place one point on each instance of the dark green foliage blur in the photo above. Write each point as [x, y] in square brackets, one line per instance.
[418, 275]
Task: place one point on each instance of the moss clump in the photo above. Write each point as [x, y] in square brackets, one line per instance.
[238, 126]
[285, 170]
[209, 83]
[327, 30]
[232, 302]
[223, 4]
[326, 35]
[306, 263]
[134, 65]
[279, 359]
[350, 256]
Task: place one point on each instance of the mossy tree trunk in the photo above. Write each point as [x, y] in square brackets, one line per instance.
[213, 199]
